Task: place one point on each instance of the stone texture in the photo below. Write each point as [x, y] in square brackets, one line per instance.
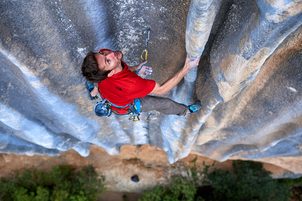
[117, 170]
[248, 80]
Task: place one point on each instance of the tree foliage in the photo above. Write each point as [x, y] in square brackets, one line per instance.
[247, 181]
[60, 184]
[180, 189]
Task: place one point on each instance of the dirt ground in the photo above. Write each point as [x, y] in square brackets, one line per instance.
[148, 163]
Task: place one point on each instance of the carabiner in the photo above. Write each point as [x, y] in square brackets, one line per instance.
[144, 55]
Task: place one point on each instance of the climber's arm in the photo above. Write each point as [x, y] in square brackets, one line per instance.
[133, 68]
[172, 82]
[95, 91]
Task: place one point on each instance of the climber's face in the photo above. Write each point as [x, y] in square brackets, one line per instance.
[109, 60]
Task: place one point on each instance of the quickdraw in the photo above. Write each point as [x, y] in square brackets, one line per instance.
[135, 109]
[144, 55]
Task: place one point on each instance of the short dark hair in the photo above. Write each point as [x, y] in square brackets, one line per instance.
[90, 69]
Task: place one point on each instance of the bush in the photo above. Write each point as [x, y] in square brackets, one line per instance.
[179, 189]
[60, 184]
[247, 182]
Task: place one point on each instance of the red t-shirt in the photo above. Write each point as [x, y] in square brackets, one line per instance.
[123, 87]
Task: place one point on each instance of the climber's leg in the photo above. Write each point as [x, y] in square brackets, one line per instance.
[163, 105]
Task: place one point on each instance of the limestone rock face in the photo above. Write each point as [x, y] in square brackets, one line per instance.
[249, 79]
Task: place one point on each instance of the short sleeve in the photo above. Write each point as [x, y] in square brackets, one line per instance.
[139, 87]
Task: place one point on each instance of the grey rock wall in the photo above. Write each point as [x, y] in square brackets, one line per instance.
[249, 78]
[255, 61]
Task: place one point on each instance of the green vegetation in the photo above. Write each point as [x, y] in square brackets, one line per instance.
[247, 182]
[60, 184]
[180, 189]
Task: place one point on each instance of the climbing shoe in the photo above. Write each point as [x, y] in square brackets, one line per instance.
[195, 107]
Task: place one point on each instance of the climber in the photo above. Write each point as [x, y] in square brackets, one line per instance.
[120, 86]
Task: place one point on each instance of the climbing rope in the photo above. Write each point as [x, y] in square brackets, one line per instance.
[144, 55]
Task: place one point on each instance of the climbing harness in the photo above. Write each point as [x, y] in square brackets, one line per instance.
[103, 108]
[144, 55]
